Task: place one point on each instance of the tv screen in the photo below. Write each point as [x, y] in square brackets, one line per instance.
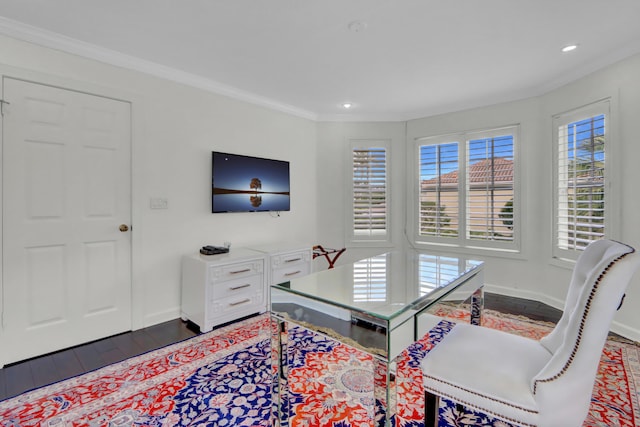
[249, 184]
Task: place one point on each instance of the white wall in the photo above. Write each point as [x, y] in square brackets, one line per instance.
[532, 273]
[620, 82]
[175, 129]
[334, 163]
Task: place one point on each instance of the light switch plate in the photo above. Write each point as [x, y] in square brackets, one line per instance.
[159, 203]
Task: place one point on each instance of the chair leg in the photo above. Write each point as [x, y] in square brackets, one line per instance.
[431, 404]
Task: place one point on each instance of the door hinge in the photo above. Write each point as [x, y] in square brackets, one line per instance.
[2, 104]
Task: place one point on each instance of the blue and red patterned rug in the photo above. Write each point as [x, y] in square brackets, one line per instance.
[223, 378]
[216, 379]
[615, 400]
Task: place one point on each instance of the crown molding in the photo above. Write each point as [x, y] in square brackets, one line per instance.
[612, 57]
[49, 39]
[355, 117]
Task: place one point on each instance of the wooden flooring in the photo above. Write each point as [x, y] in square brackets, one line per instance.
[532, 309]
[23, 376]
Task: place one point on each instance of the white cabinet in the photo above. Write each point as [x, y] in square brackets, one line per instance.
[221, 288]
[286, 261]
[289, 265]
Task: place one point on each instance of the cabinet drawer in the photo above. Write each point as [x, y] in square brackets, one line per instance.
[289, 272]
[240, 286]
[245, 303]
[235, 271]
[290, 259]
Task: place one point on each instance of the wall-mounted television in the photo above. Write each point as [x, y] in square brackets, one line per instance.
[249, 184]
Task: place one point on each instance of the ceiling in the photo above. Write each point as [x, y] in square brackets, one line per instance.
[402, 59]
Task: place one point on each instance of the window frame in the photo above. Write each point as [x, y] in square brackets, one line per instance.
[373, 239]
[462, 241]
[611, 198]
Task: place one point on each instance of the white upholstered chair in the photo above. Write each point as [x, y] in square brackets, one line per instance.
[545, 383]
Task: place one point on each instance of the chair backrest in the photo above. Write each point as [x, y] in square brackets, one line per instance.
[563, 387]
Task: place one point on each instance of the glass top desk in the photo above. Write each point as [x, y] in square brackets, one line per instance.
[375, 305]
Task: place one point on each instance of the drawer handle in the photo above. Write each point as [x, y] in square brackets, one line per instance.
[240, 271]
[292, 274]
[240, 302]
[292, 260]
[235, 288]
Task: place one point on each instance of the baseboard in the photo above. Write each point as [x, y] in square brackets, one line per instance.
[161, 316]
[625, 331]
[616, 327]
[525, 294]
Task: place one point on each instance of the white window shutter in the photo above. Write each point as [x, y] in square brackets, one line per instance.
[490, 188]
[439, 190]
[370, 193]
[467, 191]
[580, 178]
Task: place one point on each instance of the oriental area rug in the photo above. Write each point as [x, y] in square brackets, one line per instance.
[223, 378]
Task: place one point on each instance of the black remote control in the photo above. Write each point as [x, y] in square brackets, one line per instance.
[213, 250]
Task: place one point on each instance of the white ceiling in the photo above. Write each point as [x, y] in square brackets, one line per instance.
[415, 58]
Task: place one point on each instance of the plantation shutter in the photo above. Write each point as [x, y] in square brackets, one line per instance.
[370, 279]
[439, 199]
[490, 189]
[370, 192]
[580, 213]
[466, 190]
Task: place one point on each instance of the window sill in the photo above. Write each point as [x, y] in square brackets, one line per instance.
[471, 250]
[369, 244]
[564, 263]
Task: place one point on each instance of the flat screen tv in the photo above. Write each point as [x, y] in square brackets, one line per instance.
[248, 184]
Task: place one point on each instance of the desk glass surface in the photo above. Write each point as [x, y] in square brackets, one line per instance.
[375, 305]
[386, 285]
[385, 290]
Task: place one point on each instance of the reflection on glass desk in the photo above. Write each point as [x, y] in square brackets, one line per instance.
[377, 305]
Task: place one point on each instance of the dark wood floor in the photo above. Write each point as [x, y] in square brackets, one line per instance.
[20, 377]
[23, 376]
[532, 309]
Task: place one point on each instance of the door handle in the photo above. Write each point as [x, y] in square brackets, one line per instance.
[124, 228]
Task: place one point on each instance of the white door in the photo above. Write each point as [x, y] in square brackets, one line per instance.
[66, 191]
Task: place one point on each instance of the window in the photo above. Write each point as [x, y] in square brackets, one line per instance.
[370, 197]
[439, 190]
[466, 189]
[490, 188]
[581, 202]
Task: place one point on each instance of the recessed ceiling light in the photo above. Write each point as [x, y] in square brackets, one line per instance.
[570, 47]
[357, 26]
[347, 105]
